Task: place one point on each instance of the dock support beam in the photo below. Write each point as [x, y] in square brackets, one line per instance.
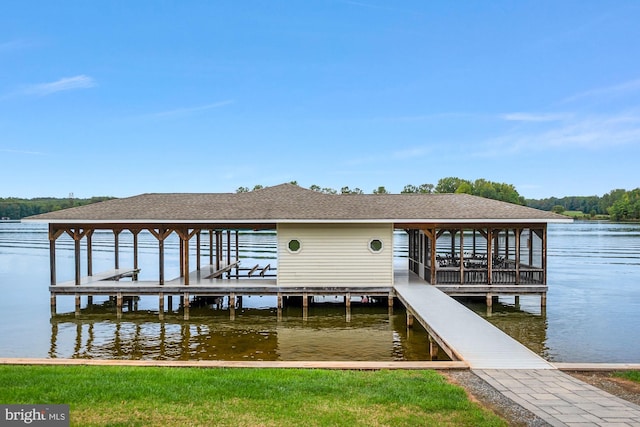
[53, 304]
[433, 348]
[78, 300]
[409, 320]
[185, 305]
[119, 305]
[161, 306]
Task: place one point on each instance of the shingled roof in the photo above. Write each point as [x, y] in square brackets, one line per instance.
[291, 203]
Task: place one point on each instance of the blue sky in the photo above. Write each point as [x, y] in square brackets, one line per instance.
[126, 97]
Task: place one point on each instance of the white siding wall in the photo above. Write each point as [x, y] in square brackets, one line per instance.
[335, 255]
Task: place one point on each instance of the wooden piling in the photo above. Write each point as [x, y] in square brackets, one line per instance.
[78, 301]
[161, 305]
[119, 305]
[185, 305]
[433, 349]
[409, 320]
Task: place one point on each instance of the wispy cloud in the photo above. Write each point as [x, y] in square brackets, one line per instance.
[30, 153]
[621, 89]
[66, 83]
[593, 131]
[411, 153]
[189, 110]
[534, 117]
[12, 45]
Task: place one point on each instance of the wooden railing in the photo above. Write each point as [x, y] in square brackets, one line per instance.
[478, 276]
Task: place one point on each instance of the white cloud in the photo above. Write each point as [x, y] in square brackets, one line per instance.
[411, 153]
[66, 83]
[621, 89]
[14, 45]
[594, 132]
[12, 151]
[534, 117]
[188, 110]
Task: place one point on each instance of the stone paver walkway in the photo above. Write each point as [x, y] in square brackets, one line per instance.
[560, 399]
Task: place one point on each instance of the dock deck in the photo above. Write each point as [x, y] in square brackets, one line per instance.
[460, 332]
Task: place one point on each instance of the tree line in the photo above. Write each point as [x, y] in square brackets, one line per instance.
[479, 187]
[16, 208]
[619, 204]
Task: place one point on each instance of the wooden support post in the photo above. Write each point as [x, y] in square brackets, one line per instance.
[543, 300]
[119, 305]
[116, 248]
[279, 299]
[186, 258]
[76, 247]
[347, 300]
[218, 249]
[135, 251]
[390, 300]
[237, 257]
[53, 235]
[305, 307]
[409, 320]
[462, 257]
[198, 249]
[517, 232]
[489, 256]
[185, 305]
[433, 349]
[210, 247]
[181, 249]
[489, 299]
[228, 247]
[161, 258]
[232, 306]
[170, 302]
[53, 304]
[89, 254]
[161, 306]
[516, 301]
[89, 300]
[78, 302]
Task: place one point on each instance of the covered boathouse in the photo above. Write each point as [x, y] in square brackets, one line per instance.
[326, 245]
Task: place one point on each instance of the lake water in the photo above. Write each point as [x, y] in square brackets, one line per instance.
[592, 314]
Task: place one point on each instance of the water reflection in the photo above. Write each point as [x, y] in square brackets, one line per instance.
[372, 333]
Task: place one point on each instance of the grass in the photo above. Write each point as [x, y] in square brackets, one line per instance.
[146, 396]
[629, 375]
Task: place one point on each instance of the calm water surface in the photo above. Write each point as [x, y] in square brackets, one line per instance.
[593, 311]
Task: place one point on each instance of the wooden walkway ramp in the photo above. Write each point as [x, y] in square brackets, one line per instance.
[462, 333]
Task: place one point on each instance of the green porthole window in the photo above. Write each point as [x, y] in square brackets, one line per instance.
[294, 245]
[375, 245]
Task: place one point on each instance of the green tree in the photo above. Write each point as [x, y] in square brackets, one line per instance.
[380, 190]
[449, 184]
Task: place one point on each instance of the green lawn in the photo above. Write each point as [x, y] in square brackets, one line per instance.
[629, 375]
[145, 396]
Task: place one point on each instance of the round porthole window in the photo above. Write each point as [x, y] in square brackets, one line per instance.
[375, 245]
[294, 245]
